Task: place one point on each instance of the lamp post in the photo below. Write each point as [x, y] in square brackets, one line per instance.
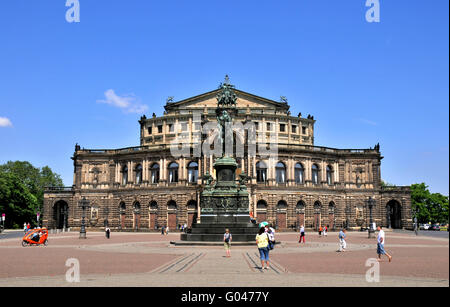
[106, 212]
[371, 203]
[416, 226]
[83, 204]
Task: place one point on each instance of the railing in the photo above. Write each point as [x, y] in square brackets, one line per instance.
[58, 189]
[396, 188]
[167, 146]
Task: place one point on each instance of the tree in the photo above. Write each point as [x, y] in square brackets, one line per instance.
[16, 201]
[34, 178]
[22, 190]
[430, 207]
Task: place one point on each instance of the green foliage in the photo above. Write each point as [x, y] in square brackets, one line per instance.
[22, 190]
[430, 207]
[16, 200]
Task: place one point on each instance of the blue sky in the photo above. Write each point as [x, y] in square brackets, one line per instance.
[364, 83]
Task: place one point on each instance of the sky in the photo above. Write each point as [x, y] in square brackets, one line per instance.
[89, 82]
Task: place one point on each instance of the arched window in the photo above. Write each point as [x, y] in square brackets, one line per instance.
[137, 207]
[300, 207]
[95, 172]
[280, 169]
[122, 207]
[281, 205]
[172, 205]
[124, 175]
[192, 172]
[153, 206]
[154, 173]
[173, 172]
[261, 172]
[315, 174]
[299, 173]
[138, 171]
[261, 204]
[329, 175]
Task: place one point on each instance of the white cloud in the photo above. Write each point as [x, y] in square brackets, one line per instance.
[5, 122]
[369, 122]
[128, 103]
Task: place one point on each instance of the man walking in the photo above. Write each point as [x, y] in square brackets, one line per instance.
[342, 242]
[381, 239]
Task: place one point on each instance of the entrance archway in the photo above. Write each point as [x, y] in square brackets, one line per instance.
[261, 211]
[331, 209]
[153, 215]
[394, 214]
[172, 220]
[192, 210]
[317, 215]
[61, 214]
[122, 211]
[300, 211]
[136, 215]
[281, 214]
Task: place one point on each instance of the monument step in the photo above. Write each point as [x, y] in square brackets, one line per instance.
[217, 237]
[233, 230]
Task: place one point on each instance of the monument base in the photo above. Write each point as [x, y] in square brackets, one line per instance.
[212, 228]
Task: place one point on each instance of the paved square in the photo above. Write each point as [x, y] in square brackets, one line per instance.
[148, 259]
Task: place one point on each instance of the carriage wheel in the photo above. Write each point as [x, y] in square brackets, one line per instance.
[24, 244]
[45, 242]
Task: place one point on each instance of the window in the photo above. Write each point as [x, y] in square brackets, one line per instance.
[256, 126]
[197, 126]
[154, 173]
[192, 172]
[124, 175]
[160, 128]
[184, 127]
[138, 171]
[149, 130]
[268, 127]
[329, 175]
[299, 173]
[280, 170]
[303, 130]
[261, 172]
[96, 173]
[173, 172]
[171, 128]
[282, 127]
[294, 129]
[315, 174]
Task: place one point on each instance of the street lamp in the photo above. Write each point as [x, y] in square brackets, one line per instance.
[106, 212]
[416, 226]
[83, 204]
[371, 203]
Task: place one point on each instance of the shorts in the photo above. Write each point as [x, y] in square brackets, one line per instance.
[264, 253]
[380, 249]
[227, 245]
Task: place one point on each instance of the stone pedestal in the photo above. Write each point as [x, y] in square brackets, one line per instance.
[224, 205]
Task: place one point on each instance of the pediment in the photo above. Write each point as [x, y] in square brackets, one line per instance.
[209, 100]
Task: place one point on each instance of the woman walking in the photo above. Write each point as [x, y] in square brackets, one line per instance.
[227, 242]
[262, 240]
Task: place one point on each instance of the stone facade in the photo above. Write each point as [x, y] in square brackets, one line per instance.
[145, 187]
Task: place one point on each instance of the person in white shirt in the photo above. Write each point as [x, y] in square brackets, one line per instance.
[381, 239]
[271, 234]
[302, 234]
